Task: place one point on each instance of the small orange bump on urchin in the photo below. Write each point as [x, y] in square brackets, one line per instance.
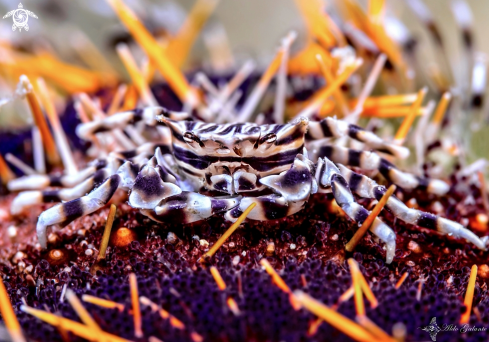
[483, 271]
[57, 256]
[122, 237]
[479, 222]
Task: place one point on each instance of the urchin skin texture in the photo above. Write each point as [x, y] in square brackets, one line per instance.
[308, 255]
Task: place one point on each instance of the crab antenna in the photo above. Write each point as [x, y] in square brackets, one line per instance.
[59, 134]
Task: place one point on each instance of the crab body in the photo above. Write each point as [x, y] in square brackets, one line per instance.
[199, 169]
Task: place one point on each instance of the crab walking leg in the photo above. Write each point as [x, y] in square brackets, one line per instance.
[367, 160]
[147, 150]
[123, 119]
[39, 182]
[113, 162]
[27, 199]
[128, 172]
[332, 128]
[328, 175]
[366, 187]
[67, 212]
[188, 207]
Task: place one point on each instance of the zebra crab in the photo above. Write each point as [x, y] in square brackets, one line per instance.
[278, 167]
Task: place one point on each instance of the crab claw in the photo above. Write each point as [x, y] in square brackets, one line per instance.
[295, 184]
[188, 207]
[325, 171]
[149, 190]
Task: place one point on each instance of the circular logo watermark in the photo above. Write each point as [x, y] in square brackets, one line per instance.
[20, 17]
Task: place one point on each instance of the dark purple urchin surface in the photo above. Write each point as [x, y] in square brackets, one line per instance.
[308, 254]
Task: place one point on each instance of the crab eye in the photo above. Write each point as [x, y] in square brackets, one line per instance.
[190, 138]
[269, 138]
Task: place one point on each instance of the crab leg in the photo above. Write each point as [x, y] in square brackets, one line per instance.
[328, 175]
[114, 161]
[368, 188]
[146, 150]
[332, 128]
[38, 181]
[124, 119]
[128, 172]
[188, 207]
[367, 160]
[149, 185]
[67, 212]
[28, 198]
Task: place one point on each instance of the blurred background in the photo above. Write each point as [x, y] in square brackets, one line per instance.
[253, 29]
